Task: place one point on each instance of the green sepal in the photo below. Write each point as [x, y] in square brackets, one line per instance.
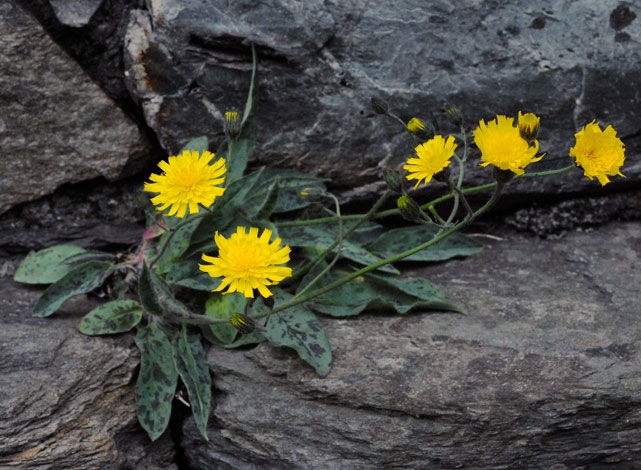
[398, 240]
[79, 280]
[157, 380]
[46, 266]
[113, 317]
[191, 363]
[221, 306]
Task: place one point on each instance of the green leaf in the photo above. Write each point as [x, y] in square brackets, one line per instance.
[398, 240]
[374, 292]
[177, 245]
[289, 188]
[191, 362]
[146, 292]
[46, 266]
[113, 317]
[320, 236]
[79, 280]
[156, 296]
[264, 210]
[223, 306]
[298, 328]
[199, 144]
[157, 380]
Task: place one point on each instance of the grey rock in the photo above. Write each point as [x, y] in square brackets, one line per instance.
[76, 13]
[56, 125]
[67, 400]
[543, 372]
[320, 62]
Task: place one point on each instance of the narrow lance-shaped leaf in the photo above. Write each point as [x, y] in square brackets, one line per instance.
[79, 280]
[264, 211]
[191, 363]
[46, 266]
[157, 380]
[113, 317]
[156, 296]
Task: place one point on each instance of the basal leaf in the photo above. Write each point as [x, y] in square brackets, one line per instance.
[191, 363]
[79, 280]
[47, 266]
[113, 317]
[156, 382]
[298, 328]
[398, 240]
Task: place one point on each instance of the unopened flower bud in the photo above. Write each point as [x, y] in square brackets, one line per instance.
[380, 106]
[422, 130]
[409, 209]
[233, 124]
[312, 194]
[502, 176]
[243, 323]
[393, 180]
[454, 115]
[528, 126]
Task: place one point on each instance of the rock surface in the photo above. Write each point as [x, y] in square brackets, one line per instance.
[76, 13]
[543, 373]
[321, 61]
[67, 400]
[56, 125]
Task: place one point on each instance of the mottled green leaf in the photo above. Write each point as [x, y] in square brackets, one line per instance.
[191, 362]
[289, 188]
[177, 245]
[46, 266]
[157, 380]
[223, 306]
[398, 240]
[156, 296]
[298, 328]
[265, 209]
[113, 317]
[79, 280]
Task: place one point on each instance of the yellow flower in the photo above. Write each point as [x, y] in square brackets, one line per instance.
[433, 156]
[187, 180]
[599, 153]
[528, 126]
[501, 145]
[415, 125]
[247, 262]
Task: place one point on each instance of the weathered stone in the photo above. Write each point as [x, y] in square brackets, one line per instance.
[67, 400]
[56, 125]
[543, 372]
[75, 13]
[320, 62]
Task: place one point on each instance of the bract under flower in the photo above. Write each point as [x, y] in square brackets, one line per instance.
[433, 156]
[187, 181]
[599, 153]
[246, 262]
[501, 145]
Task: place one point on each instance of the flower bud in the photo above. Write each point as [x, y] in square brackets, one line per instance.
[312, 194]
[393, 180]
[420, 129]
[243, 323]
[454, 115]
[380, 106]
[409, 209]
[233, 124]
[502, 176]
[528, 126]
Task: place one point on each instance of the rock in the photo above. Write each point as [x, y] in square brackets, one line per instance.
[67, 400]
[56, 125]
[188, 62]
[76, 13]
[543, 372]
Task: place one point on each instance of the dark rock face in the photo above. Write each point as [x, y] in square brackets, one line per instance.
[320, 62]
[544, 372]
[56, 125]
[66, 400]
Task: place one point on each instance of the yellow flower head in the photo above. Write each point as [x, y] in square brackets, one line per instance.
[599, 153]
[187, 180]
[415, 125]
[433, 156]
[246, 262]
[528, 126]
[501, 145]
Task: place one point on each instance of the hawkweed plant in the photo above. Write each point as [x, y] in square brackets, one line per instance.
[232, 258]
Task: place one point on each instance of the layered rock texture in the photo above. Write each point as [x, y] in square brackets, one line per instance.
[320, 62]
[56, 125]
